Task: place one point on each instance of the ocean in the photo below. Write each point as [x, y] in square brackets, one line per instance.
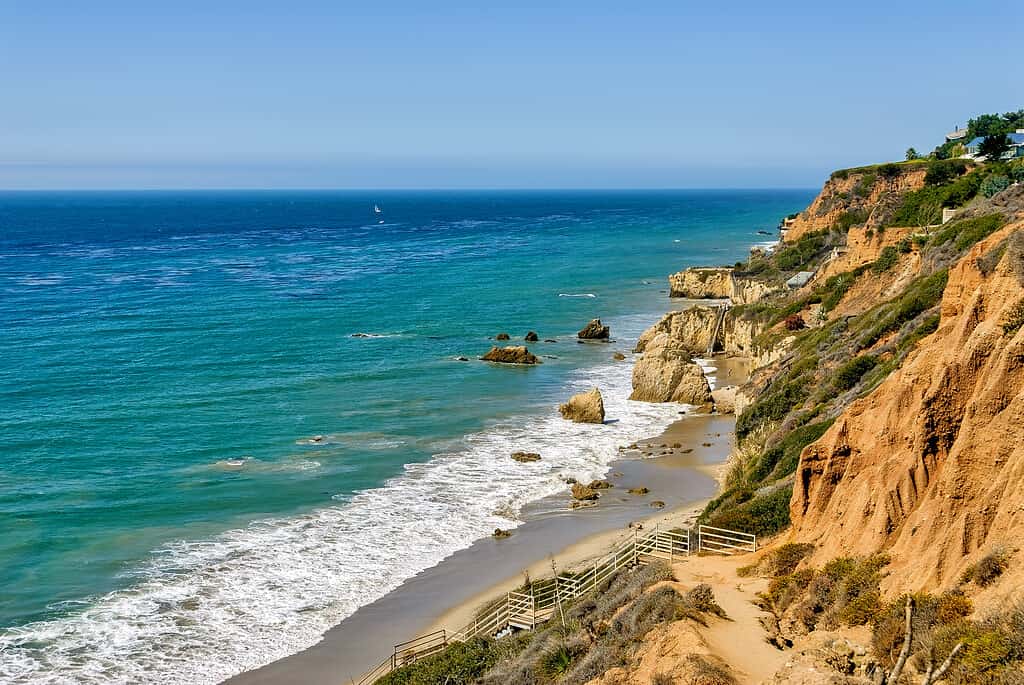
[229, 419]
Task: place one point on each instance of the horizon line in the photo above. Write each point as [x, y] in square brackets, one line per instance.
[157, 189]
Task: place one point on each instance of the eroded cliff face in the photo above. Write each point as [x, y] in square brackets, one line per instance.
[717, 283]
[930, 465]
[868, 194]
[692, 328]
[666, 373]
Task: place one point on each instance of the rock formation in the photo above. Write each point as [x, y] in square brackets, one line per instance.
[703, 283]
[582, 492]
[929, 465]
[501, 336]
[586, 407]
[595, 331]
[516, 354]
[531, 337]
[665, 373]
[690, 328]
[525, 457]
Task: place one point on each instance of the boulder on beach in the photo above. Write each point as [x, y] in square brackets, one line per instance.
[638, 491]
[595, 330]
[525, 457]
[502, 533]
[516, 354]
[658, 504]
[585, 407]
[531, 337]
[600, 485]
[501, 336]
[582, 492]
[665, 373]
[618, 356]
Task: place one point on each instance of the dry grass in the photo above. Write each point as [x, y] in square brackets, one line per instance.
[988, 569]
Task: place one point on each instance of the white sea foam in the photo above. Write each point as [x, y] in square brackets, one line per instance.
[577, 295]
[203, 610]
[708, 367]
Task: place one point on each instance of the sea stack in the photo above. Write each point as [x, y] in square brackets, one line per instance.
[586, 407]
[595, 330]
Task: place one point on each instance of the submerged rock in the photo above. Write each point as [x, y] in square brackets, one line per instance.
[531, 337]
[638, 491]
[618, 356]
[600, 485]
[658, 504]
[501, 533]
[525, 457]
[501, 336]
[516, 354]
[595, 330]
[585, 407]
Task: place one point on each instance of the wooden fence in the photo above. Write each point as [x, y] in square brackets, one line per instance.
[531, 605]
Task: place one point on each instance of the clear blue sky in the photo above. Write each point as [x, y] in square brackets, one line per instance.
[383, 94]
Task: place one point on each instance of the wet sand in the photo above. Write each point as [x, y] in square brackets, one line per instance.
[446, 595]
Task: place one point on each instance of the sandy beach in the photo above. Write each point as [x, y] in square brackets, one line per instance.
[680, 467]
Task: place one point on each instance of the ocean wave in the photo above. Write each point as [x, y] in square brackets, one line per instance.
[203, 610]
[577, 295]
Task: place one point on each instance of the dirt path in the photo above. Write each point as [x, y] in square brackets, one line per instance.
[740, 642]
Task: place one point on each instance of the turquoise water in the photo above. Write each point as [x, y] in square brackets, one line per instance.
[166, 358]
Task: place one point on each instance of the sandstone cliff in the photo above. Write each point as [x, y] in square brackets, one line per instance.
[717, 283]
[692, 328]
[857, 196]
[929, 465]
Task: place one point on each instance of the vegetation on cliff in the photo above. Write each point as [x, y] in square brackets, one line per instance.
[839, 356]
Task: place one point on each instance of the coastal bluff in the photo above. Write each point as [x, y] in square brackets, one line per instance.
[719, 283]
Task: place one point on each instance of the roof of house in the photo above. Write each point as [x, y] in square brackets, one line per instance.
[957, 134]
[800, 279]
[1015, 139]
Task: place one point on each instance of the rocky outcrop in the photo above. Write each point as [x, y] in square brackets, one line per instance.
[525, 457]
[691, 329]
[703, 283]
[665, 373]
[586, 407]
[583, 493]
[501, 336]
[531, 337]
[738, 334]
[866, 195]
[928, 466]
[595, 330]
[516, 354]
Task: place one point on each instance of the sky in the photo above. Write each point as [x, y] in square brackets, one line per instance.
[399, 94]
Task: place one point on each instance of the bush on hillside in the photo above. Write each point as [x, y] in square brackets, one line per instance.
[996, 183]
[850, 373]
[762, 515]
[968, 231]
[921, 295]
[943, 171]
[794, 322]
[988, 569]
[886, 260]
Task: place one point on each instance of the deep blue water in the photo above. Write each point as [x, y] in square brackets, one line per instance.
[165, 359]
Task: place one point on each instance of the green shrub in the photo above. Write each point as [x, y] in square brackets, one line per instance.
[941, 172]
[889, 170]
[763, 515]
[996, 183]
[834, 289]
[924, 207]
[865, 184]
[850, 218]
[460, 663]
[967, 232]
[850, 373]
[773, 406]
[988, 569]
[782, 459]
[886, 260]
[921, 295]
[1014, 318]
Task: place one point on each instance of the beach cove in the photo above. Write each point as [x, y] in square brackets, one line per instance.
[149, 585]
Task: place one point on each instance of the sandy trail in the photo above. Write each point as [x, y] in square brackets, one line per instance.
[741, 640]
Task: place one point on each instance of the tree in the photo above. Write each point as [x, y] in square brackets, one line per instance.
[992, 147]
[912, 154]
[985, 125]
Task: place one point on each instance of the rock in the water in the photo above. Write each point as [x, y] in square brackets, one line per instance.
[595, 330]
[582, 492]
[618, 356]
[586, 407]
[501, 336]
[531, 337]
[501, 533]
[550, 340]
[525, 457]
[638, 491]
[516, 354]
[658, 504]
[665, 374]
[462, 359]
[600, 485]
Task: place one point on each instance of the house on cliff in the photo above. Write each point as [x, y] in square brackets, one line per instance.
[1015, 151]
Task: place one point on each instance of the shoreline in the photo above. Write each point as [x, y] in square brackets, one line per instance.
[447, 594]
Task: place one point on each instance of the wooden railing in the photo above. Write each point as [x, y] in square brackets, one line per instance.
[539, 601]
